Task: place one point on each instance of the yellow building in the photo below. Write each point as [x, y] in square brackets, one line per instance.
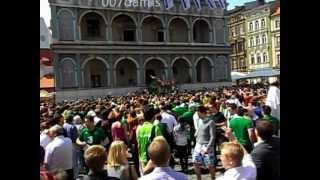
[275, 33]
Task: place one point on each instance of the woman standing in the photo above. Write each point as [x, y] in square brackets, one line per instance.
[118, 165]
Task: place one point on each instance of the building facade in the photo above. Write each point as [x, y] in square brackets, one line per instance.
[46, 59]
[237, 39]
[275, 34]
[259, 37]
[99, 46]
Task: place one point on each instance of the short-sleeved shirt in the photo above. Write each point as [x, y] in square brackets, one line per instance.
[179, 110]
[92, 137]
[219, 118]
[143, 136]
[247, 171]
[274, 121]
[188, 115]
[240, 126]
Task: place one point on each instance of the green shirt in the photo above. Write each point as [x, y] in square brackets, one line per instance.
[240, 126]
[92, 137]
[179, 110]
[188, 115]
[143, 137]
[274, 121]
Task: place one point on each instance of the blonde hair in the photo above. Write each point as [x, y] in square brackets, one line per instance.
[115, 155]
[159, 151]
[95, 157]
[232, 151]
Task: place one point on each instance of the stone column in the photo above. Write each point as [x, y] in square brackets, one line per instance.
[76, 26]
[54, 23]
[111, 72]
[212, 74]
[194, 70]
[139, 34]
[213, 33]
[189, 35]
[109, 33]
[78, 72]
[213, 77]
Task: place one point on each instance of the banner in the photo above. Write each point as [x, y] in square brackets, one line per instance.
[168, 4]
[185, 4]
[222, 4]
[211, 4]
[197, 3]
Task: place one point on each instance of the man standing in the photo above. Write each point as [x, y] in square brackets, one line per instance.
[243, 129]
[273, 100]
[204, 150]
[168, 119]
[58, 153]
[273, 120]
[90, 135]
[71, 132]
[145, 134]
[266, 153]
[159, 152]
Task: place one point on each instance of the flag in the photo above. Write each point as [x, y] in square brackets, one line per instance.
[222, 4]
[197, 2]
[168, 4]
[217, 3]
[211, 4]
[185, 4]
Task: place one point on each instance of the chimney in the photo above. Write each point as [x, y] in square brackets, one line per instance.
[260, 2]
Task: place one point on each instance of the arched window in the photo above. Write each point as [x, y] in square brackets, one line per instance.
[66, 26]
[201, 31]
[93, 27]
[264, 39]
[257, 40]
[68, 74]
[258, 59]
[256, 25]
[251, 41]
[252, 59]
[263, 23]
[251, 26]
[265, 58]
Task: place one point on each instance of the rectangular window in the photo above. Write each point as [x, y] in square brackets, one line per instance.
[277, 24]
[263, 23]
[93, 29]
[252, 59]
[160, 36]
[95, 81]
[257, 25]
[278, 59]
[129, 35]
[278, 41]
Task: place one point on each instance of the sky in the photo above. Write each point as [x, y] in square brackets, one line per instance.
[46, 13]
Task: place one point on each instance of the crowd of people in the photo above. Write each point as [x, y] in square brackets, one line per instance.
[140, 135]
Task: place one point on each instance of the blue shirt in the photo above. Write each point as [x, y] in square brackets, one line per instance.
[167, 173]
[71, 131]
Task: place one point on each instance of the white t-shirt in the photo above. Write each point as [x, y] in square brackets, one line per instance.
[96, 120]
[169, 120]
[234, 101]
[59, 154]
[247, 171]
[197, 122]
[44, 140]
[180, 136]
